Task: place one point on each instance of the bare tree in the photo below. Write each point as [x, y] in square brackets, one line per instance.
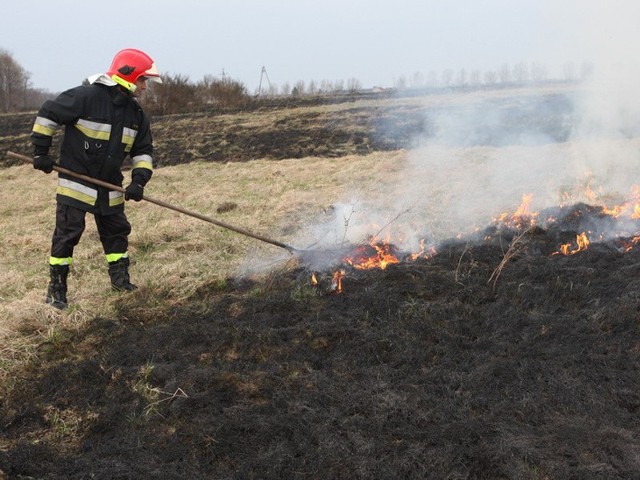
[312, 88]
[417, 80]
[538, 72]
[225, 92]
[299, 88]
[14, 84]
[475, 78]
[447, 77]
[505, 73]
[285, 89]
[432, 79]
[354, 85]
[401, 82]
[520, 73]
[174, 95]
[461, 78]
[570, 71]
[326, 86]
[490, 77]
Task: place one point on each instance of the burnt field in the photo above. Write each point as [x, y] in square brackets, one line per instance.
[508, 353]
[491, 359]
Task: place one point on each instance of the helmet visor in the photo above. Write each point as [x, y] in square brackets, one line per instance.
[152, 74]
[152, 79]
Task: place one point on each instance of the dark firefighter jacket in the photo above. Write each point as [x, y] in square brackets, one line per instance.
[102, 126]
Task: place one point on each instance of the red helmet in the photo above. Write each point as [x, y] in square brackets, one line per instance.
[130, 64]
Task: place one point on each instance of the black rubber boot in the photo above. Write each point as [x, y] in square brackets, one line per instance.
[119, 273]
[57, 290]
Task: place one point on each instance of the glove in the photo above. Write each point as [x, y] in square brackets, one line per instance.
[134, 192]
[44, 163]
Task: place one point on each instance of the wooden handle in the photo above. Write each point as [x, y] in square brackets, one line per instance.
[175, 208]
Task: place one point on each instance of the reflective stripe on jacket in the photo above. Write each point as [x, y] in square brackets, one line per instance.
[102, 126]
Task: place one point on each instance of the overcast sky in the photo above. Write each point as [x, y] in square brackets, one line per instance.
[60, 42]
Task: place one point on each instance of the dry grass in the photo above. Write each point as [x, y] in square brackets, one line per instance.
[172, 254]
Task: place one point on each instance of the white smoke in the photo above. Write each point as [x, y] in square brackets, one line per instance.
[476, 163]
[608, 107]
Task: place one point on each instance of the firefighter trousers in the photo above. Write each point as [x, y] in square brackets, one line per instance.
[113, 230]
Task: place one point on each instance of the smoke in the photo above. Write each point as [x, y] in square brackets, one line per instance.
[484, 151]
[608, 110]
[479, 162]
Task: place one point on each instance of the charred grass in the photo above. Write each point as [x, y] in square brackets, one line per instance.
[421, 370]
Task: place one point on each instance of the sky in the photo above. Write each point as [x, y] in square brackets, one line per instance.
[376, 42]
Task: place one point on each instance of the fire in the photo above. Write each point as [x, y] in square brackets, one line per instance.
[524, 209]
[375, 255]
[632, 210]
[627, 246]
[423, 252]
[522, 217]
[614, 212]
[379, 254]
[582, 242]
[336, 281]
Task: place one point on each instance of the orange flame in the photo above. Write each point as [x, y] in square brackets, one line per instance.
[614, 212]
[423, 253]
[336, 281]
[523, 209]
[628, 246]
[522, 217]
[314, 279]
[582, 242]
[381, 258]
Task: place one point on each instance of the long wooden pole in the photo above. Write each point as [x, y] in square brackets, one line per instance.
[175, 208]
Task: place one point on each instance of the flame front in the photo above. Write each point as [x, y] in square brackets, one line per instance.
[380, 254]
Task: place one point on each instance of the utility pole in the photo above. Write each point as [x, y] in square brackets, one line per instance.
[263, 74]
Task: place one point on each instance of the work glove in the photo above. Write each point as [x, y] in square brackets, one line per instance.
[44, 163]
[134, 192]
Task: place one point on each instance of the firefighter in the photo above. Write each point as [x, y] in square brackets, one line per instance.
[103, 124]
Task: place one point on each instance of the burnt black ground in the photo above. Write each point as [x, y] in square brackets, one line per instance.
[481, 362]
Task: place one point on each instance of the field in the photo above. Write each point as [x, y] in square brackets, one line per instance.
[497, 342]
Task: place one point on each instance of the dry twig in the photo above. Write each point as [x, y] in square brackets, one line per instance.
[466, 248]
[515, 247]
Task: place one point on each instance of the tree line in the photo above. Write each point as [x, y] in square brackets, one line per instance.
[16, 93]
[507, 74]
[178, 94]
